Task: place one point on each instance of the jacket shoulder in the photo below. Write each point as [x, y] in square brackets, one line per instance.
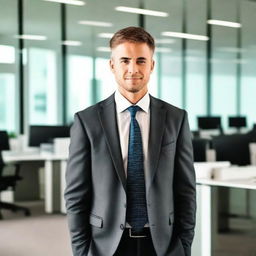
[92, 111]
[171, 109]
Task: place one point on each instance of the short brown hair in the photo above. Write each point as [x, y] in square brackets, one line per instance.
[134, 35]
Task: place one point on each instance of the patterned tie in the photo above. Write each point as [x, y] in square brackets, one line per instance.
[136, 214]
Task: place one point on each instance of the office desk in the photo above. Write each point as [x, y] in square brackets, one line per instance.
[207, 210]
[54, 167]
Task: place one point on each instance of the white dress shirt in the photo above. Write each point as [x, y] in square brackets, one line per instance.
[123, 123]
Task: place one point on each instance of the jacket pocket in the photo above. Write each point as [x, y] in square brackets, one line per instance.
[96, 221]
[171, 218]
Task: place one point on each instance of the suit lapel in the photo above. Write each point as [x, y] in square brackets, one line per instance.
[157, 124]
[107, 115]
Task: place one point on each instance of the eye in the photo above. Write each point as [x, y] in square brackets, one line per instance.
[141, 61]
[125, 61]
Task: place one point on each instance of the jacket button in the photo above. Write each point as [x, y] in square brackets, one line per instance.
[122, 227]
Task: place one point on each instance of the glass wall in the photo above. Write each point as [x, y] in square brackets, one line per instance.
[42, 64]
[224, 61]
[9, 90]
[66, 57]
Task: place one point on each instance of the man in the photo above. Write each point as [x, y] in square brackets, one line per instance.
[130, 176]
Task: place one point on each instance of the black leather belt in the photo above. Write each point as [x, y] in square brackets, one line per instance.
[145, 232]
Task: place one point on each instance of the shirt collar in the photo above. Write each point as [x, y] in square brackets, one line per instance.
[122, 103]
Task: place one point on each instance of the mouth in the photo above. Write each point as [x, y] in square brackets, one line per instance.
[133, 78]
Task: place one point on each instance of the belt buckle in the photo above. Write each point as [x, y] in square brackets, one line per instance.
[135, 236]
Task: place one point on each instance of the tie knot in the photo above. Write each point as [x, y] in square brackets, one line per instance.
[133, 110]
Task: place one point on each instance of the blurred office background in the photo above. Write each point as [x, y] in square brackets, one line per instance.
[54, 57]
[54, 62]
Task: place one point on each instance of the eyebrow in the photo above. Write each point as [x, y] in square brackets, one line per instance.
[126, 58]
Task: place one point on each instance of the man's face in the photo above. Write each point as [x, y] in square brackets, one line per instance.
[132, 64]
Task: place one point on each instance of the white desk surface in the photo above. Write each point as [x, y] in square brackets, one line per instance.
[12, 156]
[241, 183]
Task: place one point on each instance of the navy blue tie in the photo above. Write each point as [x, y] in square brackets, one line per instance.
[136, 214]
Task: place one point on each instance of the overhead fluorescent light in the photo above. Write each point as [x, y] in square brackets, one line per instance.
[141, 11]
[103, 49]
[164, 41]
[7, 54]
[163, 50]
[185, 36]
[71, 43]
[73, 2]
[105, 35]
[95, 23]
[31, 37]
[224, 23]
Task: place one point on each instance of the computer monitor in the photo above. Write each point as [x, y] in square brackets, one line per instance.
[209, 122]
[237, 121]
[45, 134]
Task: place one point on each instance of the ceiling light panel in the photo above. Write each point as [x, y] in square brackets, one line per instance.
[95, 23]
[224, 23]
[185, 36]
[103, 49]
[71, 43]
[141, 11]
[72, 2]
[105, 35]
[31, 37]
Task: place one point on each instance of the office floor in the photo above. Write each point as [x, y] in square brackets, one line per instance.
[239, 240]
[47, 235]
[38, 235]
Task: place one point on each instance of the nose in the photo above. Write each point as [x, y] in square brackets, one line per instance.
[133, 68]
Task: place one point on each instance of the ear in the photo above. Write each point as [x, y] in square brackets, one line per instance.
[152, 65]
[111, 65]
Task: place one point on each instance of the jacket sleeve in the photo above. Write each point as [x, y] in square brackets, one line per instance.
[185, 188]
[78, 189]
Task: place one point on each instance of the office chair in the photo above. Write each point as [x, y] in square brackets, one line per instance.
[8, 181]
[200, 146]
[233, 148]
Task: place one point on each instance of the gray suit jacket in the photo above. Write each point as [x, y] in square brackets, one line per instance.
[96, 183]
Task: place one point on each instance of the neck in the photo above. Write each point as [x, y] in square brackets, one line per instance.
[133, 97]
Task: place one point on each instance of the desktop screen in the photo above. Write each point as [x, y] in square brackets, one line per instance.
[237, 121]
[209, 122]
[45, 134]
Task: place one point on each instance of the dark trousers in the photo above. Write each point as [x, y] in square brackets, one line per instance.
[130, 246]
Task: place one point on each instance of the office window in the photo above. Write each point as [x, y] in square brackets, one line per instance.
[9, 97]
[42, 86]
[168, 50]
[196, 62]
[7, 102]
[7, 54]
[105, 81]
[248, 82]
[79, 89]
[224, 62]
[42, 63]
